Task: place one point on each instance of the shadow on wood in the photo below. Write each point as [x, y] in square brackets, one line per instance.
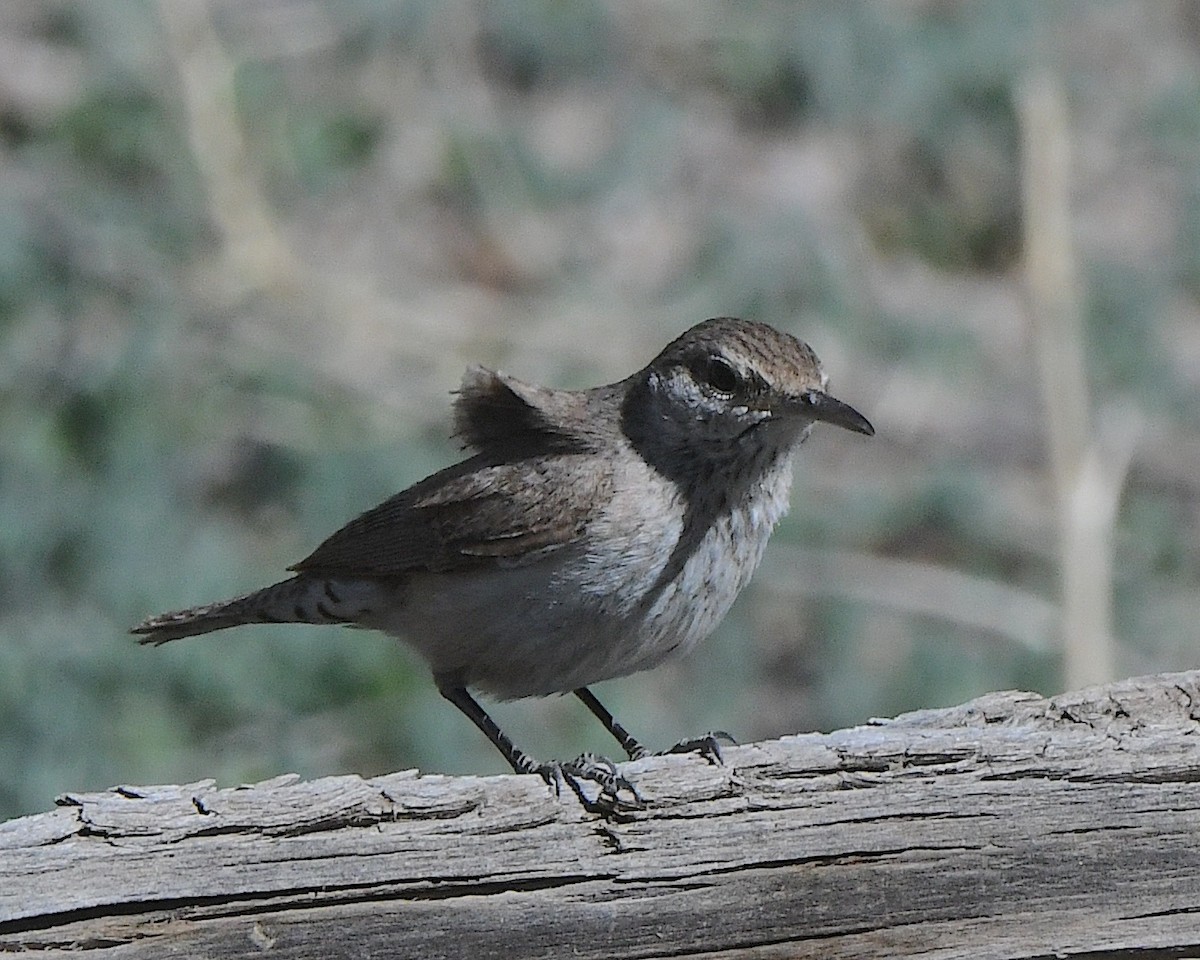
[1012, 826]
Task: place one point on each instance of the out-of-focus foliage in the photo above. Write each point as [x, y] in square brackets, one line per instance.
[246, 250]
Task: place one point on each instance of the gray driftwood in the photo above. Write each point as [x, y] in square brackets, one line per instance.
[1012, 826]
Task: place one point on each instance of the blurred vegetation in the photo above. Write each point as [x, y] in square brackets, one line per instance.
[246, 250]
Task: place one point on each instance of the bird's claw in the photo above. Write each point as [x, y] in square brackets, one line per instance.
[598, 770]
[708, 745]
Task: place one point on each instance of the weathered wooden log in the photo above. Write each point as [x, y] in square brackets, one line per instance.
[1012, 826]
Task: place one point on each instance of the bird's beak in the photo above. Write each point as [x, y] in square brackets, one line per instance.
[818, 405]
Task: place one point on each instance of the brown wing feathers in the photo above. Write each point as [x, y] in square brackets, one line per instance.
[483, 510]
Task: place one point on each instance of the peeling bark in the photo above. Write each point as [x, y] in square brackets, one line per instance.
[1012, 826]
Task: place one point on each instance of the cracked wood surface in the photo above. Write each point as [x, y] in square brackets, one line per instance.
[1012, 826]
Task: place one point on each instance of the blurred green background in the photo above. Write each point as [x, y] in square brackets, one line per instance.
[247, 249]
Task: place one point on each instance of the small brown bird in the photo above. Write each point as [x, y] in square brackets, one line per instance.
[592, 534]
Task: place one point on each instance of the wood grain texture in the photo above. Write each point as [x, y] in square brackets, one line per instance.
[1012, 826]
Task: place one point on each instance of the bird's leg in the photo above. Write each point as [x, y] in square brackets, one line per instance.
[520, 761]
[707, 745]
[600, 771]
[632, 748]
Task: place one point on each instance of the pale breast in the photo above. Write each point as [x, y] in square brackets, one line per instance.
[694, 602]
[597, 609]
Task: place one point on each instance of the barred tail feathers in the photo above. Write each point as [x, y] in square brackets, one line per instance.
[302, 599]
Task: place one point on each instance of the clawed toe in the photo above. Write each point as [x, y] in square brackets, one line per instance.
[598, 770]
[708, 745]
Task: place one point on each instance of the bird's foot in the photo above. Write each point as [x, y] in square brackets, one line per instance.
[598, 770]
[708, 745]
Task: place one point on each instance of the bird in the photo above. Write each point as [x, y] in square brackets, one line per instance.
[591, 534]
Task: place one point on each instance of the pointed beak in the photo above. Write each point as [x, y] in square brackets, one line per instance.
[817, 405]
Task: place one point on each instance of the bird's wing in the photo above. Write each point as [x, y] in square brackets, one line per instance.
[475, 514]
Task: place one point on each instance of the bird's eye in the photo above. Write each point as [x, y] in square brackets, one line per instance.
[718, 373]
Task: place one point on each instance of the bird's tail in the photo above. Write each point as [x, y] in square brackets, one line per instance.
[302, 599]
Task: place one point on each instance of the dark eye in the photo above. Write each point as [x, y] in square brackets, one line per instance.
[718, 373]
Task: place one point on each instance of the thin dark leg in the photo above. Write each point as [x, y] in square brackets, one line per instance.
[708, 745]
[599, 771]
[520, 762]
[634, 749]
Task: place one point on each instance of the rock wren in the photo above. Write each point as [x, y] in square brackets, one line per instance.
[593, 533]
